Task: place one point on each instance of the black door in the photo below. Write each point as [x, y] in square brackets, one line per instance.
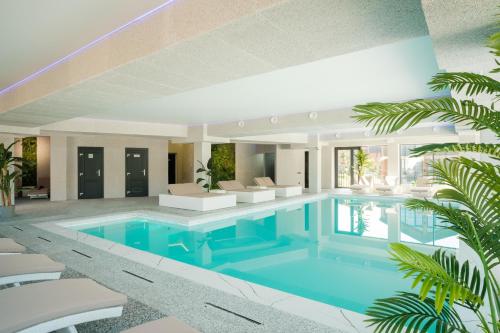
[306, 169]
[171, 168]
[90, 172]
[136, 172]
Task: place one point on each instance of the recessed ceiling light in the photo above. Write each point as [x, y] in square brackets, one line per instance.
[241, 123]
[313, 115]
[273, 120]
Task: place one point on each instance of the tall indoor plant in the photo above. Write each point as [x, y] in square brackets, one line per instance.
[10, 171]
[472, 186]
[205, 179]
[363, 162]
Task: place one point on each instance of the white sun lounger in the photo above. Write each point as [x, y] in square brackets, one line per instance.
[8, 246]
[389, 187]
[54, 305]
[167, 325]
[281, 190]
[246, 194]
[28, 268]
[423, 188]
[192, 196]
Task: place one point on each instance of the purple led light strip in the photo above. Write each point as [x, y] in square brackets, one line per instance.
[83, 48]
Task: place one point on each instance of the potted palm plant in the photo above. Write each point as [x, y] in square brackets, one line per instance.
[363, 162]
[10, 167]
[469, 205]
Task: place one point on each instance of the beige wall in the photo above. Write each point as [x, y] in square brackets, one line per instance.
[290, 166]
[114, 162]
[249, 162]
[43, 160]
[184, 161]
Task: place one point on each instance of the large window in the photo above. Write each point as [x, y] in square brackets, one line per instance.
[345, 166]
[413, 168]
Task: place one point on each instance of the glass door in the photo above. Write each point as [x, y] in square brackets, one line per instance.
[344, 166]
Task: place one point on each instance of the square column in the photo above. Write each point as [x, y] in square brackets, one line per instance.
[58, 168]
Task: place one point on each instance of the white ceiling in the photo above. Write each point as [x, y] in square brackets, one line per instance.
[242, 70]
[35, 33]
[393, 72]
[460, 30]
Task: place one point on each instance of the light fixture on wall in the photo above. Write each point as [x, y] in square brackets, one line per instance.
[313, 115]
[273, 120]
[241, 123]
[368, 133]
[435, 129]
[337, 135]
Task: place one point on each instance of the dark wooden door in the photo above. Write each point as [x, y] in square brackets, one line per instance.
[136, 172]
[90, 172]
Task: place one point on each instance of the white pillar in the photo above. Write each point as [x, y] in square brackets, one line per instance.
[314, 146]
[202, 152]
[393, 159]
[58, 168]
[327, 168]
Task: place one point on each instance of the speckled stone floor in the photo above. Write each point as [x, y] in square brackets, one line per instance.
[152, 293]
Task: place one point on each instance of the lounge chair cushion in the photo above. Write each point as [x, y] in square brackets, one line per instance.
[36, 303]
[231, 185]
[264, 181]
[185, 189]
[164, 325]
[7, 245]
[28, 264]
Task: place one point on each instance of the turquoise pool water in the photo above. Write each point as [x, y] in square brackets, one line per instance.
[332, 251]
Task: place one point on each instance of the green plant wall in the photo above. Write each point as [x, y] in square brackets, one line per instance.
[29, 154]
[223, 162]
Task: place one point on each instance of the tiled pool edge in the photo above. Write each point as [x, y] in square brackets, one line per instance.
[322, 313]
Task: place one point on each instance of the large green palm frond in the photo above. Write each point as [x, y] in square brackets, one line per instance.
[387, 118]
[405, 312]
[462, 273]
[429, 273]
[472, 83]
[480, 238]
[472, 184]
[491, 149]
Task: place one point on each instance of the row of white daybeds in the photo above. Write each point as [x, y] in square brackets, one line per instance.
[193, 197]
[58, 305]
[423, 188]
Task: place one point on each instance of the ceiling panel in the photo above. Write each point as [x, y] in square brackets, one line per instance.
[295, 32]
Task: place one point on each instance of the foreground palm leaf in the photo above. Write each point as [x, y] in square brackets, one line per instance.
[405, 312]
[430, 274]
[472, 184]
[472, 83]
[387, 118]
[468, 205]
[493, 150]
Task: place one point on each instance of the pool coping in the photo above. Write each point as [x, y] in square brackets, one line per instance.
[325, 314]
